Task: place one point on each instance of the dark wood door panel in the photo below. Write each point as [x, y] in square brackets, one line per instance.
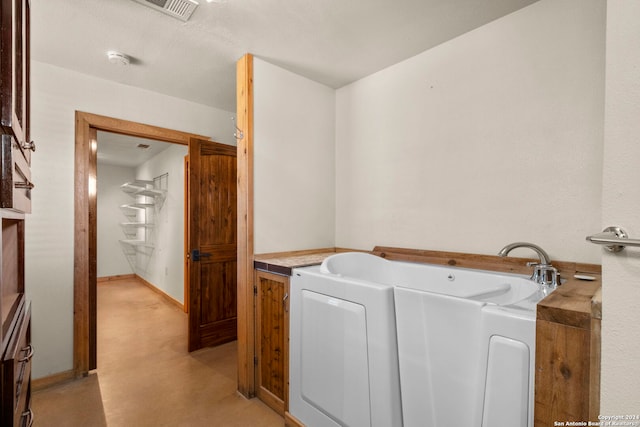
[218, 296]
[213, 242]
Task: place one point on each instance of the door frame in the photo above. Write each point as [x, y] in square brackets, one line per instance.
[85, 223]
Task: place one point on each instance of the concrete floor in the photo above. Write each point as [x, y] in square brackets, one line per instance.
[145, 375]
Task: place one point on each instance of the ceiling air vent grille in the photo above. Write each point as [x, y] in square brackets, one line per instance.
[181, 9]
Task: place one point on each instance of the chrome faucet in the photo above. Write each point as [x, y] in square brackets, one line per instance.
[544, 258]
[543, 272]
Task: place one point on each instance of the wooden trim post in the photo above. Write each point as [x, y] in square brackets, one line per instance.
[246, 315]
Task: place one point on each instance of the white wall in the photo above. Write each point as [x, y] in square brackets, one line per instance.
[163, 266]
[111, 260]
[620, 379]
[294, 184]
[56, 94]
[491, 138]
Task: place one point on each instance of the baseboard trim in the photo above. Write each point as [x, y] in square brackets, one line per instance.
[160, 292]
[51, 380]
[291, 421]
[116, 277]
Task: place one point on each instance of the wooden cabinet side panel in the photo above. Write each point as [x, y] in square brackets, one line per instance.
[563, 374]
[287, 290]
[271, 341]
[595, 363]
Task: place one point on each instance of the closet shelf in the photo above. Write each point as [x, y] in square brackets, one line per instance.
[135, 207]
[136, 224]
[137, 243]
[140, 188]
[149, 196]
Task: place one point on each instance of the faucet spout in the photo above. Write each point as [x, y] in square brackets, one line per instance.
[544, 258]
[543, 272]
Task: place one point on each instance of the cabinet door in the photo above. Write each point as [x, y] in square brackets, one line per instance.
[12, 274]
[272, 340]
[15, 174]
[16, 374]
[14, 65]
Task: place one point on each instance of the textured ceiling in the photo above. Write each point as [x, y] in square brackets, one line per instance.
[334, 42]
[122, 150]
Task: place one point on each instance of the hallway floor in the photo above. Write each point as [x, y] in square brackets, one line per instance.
[145, 376]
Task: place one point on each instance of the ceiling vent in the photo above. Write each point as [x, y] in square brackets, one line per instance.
[181, 9]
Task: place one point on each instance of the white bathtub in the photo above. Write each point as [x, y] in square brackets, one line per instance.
[465, 338]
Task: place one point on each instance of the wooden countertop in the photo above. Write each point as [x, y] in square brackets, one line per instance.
[574, 303]
[284, 262]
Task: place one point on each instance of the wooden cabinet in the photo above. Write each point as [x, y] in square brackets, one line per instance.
[16, 185]
[12, 275]
[14, 64]
[16, 372]
[16, 353]
[272, 339]
[16, 148]
[568, 343]
[15, 201]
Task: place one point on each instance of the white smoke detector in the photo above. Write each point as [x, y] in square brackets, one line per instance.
[181, 9]
[118, 58]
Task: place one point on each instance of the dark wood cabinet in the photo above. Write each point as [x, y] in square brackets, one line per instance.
[16, 353]
[16, 185]
[14, 63]
[16, 147]
[16, 372]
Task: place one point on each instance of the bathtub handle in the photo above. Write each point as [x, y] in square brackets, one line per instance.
[284, 302]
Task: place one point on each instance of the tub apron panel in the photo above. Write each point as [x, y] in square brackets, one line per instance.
[343, 367]
[439, 350]
[334, 362]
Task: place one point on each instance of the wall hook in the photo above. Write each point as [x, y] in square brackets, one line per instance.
[238, 134]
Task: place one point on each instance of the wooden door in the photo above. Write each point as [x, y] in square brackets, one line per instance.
[213, 244]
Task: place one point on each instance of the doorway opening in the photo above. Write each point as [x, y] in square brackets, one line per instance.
[85, 224]
[141, 213]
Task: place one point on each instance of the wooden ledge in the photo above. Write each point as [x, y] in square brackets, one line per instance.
[284, 262]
